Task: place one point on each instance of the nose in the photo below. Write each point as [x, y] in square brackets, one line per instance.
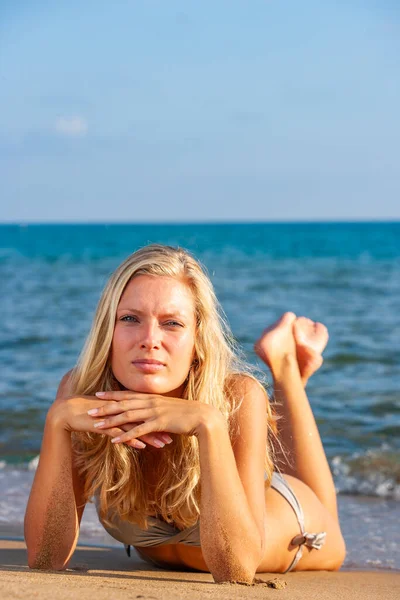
[151, 336]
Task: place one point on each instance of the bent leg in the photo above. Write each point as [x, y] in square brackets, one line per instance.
[301, 436]
[297, 427]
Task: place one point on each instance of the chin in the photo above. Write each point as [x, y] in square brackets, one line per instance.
[149, 387]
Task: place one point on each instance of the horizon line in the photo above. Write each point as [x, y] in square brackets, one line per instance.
[209, 222]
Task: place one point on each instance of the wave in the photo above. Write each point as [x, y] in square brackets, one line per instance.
[349, 358]
[373, 473]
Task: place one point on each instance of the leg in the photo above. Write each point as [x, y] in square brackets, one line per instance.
[297, 426]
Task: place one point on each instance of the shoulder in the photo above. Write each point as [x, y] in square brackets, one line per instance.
[241, 386]
[248, 399]
[249, 418]
[64, 387]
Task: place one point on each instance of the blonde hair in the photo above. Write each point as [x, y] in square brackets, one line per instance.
[115, 472]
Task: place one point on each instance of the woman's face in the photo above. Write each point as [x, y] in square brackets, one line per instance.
[153, 342]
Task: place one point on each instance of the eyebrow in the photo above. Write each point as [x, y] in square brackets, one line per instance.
[140, 313]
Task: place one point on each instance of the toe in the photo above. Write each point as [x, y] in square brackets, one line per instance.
[288, 317]
[302, 323]
[322, 331]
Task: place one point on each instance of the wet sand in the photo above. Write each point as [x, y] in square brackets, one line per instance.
[108, 574]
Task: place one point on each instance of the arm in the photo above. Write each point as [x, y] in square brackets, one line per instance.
[55, 504]
[232, 475]
[232, 489]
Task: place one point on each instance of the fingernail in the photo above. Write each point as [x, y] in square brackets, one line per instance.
[99, 424]
[117, 439]
[139, 444]
[93, 411]
[159, 443]
[100, 394]
[165, 438]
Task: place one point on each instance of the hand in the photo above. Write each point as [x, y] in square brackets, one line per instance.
[154, 413]
[71, 413]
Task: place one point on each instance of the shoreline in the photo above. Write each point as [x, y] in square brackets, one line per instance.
[377, 550]
[108, 573]
[82, 544]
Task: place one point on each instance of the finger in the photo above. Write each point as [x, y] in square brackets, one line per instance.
[130, 416]
[114, 408]
[138, 431]
[119, 395]
[116, 431]
[158, 440]
[112, 431]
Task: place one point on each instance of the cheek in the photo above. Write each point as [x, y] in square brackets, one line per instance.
[121, 341]
[185, 347]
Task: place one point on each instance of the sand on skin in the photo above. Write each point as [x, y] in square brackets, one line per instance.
[107, 573]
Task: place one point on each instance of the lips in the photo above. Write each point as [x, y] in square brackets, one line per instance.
[148, 365]
[147, 361]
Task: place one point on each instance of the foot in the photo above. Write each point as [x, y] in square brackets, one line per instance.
[277, 342]
[311, 339]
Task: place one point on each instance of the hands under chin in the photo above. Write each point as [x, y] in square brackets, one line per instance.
[71, 413]
[142, 415]
[157, 440]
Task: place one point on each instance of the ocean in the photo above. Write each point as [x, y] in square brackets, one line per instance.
[346, 275]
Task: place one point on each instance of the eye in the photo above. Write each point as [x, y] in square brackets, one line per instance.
[128, 318]
[173, 324]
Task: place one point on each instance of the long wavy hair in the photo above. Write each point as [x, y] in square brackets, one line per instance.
[116, 473]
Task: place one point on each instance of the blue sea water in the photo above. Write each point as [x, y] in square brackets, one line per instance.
[346, 275]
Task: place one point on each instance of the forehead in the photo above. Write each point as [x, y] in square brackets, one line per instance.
[157, 294]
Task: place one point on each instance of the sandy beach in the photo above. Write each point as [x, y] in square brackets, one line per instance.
[108, 573]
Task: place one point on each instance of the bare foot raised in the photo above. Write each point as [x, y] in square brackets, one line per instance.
[311, 339]
[276, 342]
[296, 336]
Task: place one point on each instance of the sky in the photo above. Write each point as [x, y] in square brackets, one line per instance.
[222, 110]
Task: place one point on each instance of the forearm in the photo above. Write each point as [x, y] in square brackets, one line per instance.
[298, 429]
[51, 520]
[231, 541]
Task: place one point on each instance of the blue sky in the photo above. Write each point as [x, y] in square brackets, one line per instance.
[199, 111]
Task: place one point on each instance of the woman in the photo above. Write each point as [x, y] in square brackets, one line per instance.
[162, 423]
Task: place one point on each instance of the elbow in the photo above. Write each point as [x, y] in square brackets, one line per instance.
[48, 552]
[233, 575]
[227, 566]
[44, 560]
[233, 571]
[32, 559]
[45, 563]
[232, 560]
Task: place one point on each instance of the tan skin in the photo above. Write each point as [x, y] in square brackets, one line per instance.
[155, 320]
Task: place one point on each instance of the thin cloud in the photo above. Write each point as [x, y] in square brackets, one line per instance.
[71, 126]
